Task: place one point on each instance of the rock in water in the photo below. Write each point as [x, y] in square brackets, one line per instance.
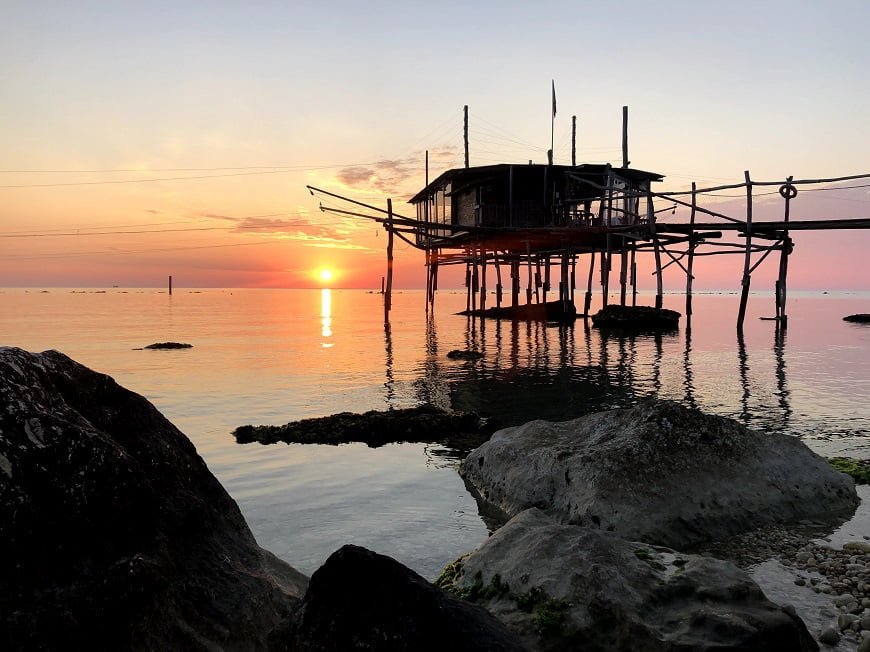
[113, 532]
[564, 587]
[657, 472]
[360, 600]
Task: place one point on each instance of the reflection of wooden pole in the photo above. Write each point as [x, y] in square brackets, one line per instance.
[388, 296]
[747, 260]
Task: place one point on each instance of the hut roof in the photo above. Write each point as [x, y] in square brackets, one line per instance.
[465, 176]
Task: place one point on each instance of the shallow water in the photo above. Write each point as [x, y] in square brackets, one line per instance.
[272, 356]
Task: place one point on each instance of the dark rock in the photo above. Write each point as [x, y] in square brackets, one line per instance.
[861, 318]
[169, 345]
[636, 318]
[551, 311]
[425, 423]
[113, 532]
[459, 354]
[360, 600]
[657, 472]
[566, 587]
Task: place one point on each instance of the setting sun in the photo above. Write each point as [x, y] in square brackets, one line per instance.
[325, 274]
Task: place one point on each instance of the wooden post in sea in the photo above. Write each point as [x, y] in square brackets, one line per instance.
[747, 259]
[498, 286]
[657, 250]
[587, 301]
[515, 283]
[388, 293]
[689, 276]
[170, 284]
[633, 276]
[483, 279]
[789, 192]
[623, 275]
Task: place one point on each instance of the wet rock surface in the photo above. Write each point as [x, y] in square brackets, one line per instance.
[568, 587]
[426, 423]
[657, 472]
[360, 600]
[113, 532]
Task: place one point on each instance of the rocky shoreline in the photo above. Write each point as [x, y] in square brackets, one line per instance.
[119, 536]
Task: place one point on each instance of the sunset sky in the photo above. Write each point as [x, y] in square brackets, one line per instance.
[146, 139]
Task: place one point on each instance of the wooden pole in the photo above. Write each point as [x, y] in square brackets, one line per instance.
[657, 250]
[573, 140]
[623, 276]
[625, 160]
[784, 253]
[689, 276]
[388, 296]
[515, 283]
[587, 301]
[747, 260]
[465, 133]
[170, 284]
[633, 277]
[564, 291]
[482, 279]
[498, 287]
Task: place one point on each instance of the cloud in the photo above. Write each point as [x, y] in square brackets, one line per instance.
[389, 176]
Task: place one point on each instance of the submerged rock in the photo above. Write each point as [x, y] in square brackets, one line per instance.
[360, 600]
[459, 354]
[861, 318]
[657, 472]
[636, 318]
[425, 423]
[113, 532]
[169, 345]
[564, 587]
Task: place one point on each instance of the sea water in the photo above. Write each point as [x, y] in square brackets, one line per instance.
[273, 356]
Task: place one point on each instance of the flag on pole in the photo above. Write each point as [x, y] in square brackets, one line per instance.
[554, 98]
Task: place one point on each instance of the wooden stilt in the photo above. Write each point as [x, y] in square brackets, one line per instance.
[657, 249]
[747, 260]
[515, 283]
[689, 276]
[633, 277]
[498, 287]
[564, 291]
[623, 275]
[468, 286]
[482, 279]
[785, 251]
[587, 302]
[538, 280]
[388, 292]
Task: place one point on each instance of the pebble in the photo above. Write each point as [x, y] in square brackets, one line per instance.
[829, 636]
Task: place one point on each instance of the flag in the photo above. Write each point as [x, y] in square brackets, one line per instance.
[554, 98]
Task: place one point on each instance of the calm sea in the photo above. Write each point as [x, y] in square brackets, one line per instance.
[272, 356]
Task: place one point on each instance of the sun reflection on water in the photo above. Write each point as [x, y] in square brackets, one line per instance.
[326, 315]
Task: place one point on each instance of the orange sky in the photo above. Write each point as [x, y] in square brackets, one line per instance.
[144, 141]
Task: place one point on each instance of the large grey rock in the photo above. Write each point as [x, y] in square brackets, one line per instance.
[113, 532]
[657, 472]
[566, 587]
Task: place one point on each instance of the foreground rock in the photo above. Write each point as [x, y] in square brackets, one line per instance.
[861, 318]
[113, 532]
[360, 600]
[169, 345]
[426, 423]
[657, 472]
[564, 587]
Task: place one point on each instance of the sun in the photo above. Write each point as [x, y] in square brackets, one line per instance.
[325, 274]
